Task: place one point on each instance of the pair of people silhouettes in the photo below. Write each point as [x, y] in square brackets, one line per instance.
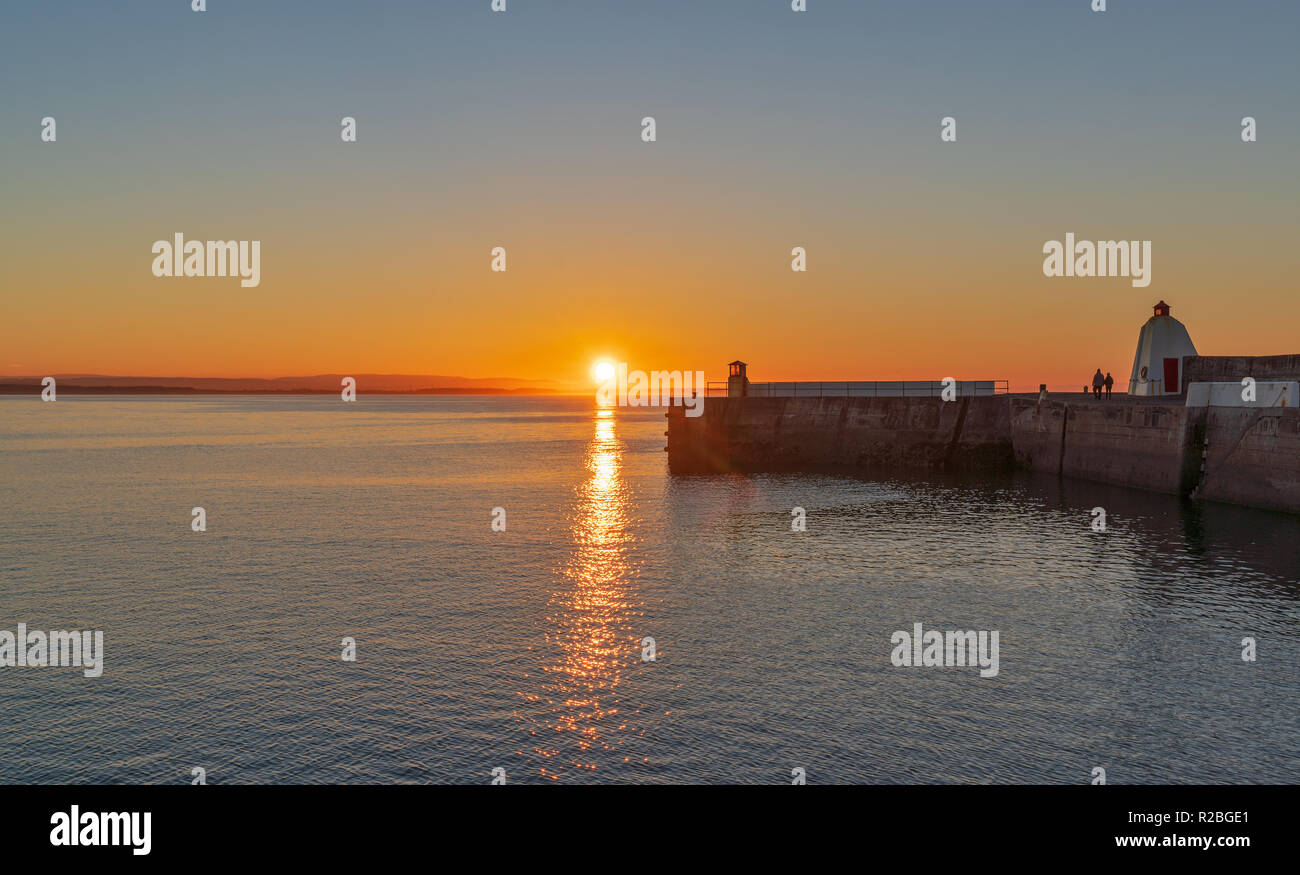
[1099, 382]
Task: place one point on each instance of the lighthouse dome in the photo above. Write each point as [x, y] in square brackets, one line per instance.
[1163, 344]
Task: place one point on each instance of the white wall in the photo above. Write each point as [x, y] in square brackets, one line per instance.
[1273, 394]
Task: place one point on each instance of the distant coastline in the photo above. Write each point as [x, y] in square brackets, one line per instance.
[28, 389]
[318, 384]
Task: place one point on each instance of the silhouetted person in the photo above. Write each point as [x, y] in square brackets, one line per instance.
[1097, 382]
[1110, 381]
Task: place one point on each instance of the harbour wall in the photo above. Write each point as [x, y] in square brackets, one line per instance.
[1242, 455]
[1251, 456]
[1139, 444]
[824, 433]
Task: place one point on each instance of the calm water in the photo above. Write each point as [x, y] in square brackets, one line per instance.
[522, 649]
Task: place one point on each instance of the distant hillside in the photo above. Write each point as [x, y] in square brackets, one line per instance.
[433, 384]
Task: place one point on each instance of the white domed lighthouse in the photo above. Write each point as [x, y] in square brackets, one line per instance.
[1163, 342]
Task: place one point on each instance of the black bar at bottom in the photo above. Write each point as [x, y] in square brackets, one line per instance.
[370, 823]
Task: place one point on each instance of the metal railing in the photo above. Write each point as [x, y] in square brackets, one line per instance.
[855, 389]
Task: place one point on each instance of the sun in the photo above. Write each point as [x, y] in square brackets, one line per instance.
[603, 371]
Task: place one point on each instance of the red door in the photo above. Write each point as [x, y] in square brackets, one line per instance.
[1171, 376]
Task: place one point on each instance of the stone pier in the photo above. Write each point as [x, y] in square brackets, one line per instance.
[1241, 455]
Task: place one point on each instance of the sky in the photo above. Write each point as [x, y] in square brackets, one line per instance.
[522, 129]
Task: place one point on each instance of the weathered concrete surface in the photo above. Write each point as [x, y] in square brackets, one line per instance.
[1131, 443]
[755, 434]
[1038, 434]
[1252, 457]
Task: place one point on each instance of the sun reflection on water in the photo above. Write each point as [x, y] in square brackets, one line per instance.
[589, 622]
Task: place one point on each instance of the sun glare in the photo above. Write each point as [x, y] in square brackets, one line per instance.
[603, 371]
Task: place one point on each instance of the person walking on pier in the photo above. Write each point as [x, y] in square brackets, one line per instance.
[1097, 382]
[1110, 381]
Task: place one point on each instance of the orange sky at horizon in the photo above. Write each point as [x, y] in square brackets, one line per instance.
[908, 278]
[544, 319]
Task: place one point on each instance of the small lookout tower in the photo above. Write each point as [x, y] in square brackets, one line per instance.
[737, 382]
[1163, 343]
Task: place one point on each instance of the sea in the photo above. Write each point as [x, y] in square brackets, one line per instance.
[478, 589]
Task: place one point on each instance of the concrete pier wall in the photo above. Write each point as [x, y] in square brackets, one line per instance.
[1248, 456]
[1138, 444]
[753, 434]
[1252, 457]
